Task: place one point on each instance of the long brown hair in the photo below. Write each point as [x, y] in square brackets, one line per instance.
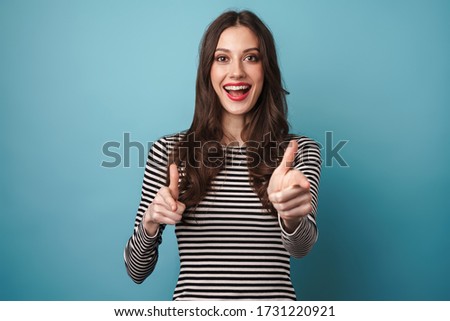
[199, 155]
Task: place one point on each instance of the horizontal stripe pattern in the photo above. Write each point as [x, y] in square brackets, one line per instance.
[230, 247]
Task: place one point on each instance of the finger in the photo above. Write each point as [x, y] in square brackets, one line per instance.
[173, 176]
[294, 177]
[180, 208]
[288, 194]
[304, 183]
[298, 211]
[164, 197]
[161, 214]
[293, 203]
[166, 220]
[289, 156]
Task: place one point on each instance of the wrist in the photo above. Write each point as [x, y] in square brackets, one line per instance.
[291, 225]
[151, 227]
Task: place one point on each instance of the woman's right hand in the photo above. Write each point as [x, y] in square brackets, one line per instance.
[165, 208]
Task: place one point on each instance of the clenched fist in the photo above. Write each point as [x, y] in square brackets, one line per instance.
[289, 190]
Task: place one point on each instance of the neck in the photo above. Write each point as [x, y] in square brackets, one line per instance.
[232, 128]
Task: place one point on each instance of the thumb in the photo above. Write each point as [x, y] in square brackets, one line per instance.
[173, 176]
[289, 156]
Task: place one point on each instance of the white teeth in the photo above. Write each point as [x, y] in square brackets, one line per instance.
[236, 87]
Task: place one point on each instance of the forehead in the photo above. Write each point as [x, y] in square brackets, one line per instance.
[238, 37]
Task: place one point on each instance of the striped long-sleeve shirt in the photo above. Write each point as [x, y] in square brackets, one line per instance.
[230, 247]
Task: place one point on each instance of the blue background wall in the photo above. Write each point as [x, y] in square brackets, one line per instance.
[75, 75]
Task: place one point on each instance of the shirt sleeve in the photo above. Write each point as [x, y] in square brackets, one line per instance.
[308, 161]
[141, 250]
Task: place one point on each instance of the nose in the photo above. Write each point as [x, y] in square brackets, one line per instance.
[237, 70]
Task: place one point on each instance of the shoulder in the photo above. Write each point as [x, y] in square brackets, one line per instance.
[168, 142]
[308, 149]
[162, 147]
[304, 142]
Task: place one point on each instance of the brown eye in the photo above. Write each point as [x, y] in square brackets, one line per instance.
[221, 59]
[252, 58]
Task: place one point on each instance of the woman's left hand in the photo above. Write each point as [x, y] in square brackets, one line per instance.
[289, 190]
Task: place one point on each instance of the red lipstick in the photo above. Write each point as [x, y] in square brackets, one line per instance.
[237, 91]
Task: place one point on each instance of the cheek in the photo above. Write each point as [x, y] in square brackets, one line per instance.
[258, 75]
[259, 80]
[215, 78]
[261, 76]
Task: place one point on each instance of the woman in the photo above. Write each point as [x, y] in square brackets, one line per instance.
[240, 190]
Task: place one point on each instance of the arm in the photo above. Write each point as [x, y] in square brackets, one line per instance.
[308, 161]
[141, 250]
[293, 190]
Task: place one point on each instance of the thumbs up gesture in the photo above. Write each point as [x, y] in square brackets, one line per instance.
[165, 208]
[289, 190]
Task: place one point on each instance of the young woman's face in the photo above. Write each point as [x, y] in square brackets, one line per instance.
[237, 73]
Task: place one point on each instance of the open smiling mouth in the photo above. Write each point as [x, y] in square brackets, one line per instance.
[237, 92]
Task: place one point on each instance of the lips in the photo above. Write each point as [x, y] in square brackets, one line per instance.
[237, 91]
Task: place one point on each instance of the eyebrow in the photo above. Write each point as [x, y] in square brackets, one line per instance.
[246, 50]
